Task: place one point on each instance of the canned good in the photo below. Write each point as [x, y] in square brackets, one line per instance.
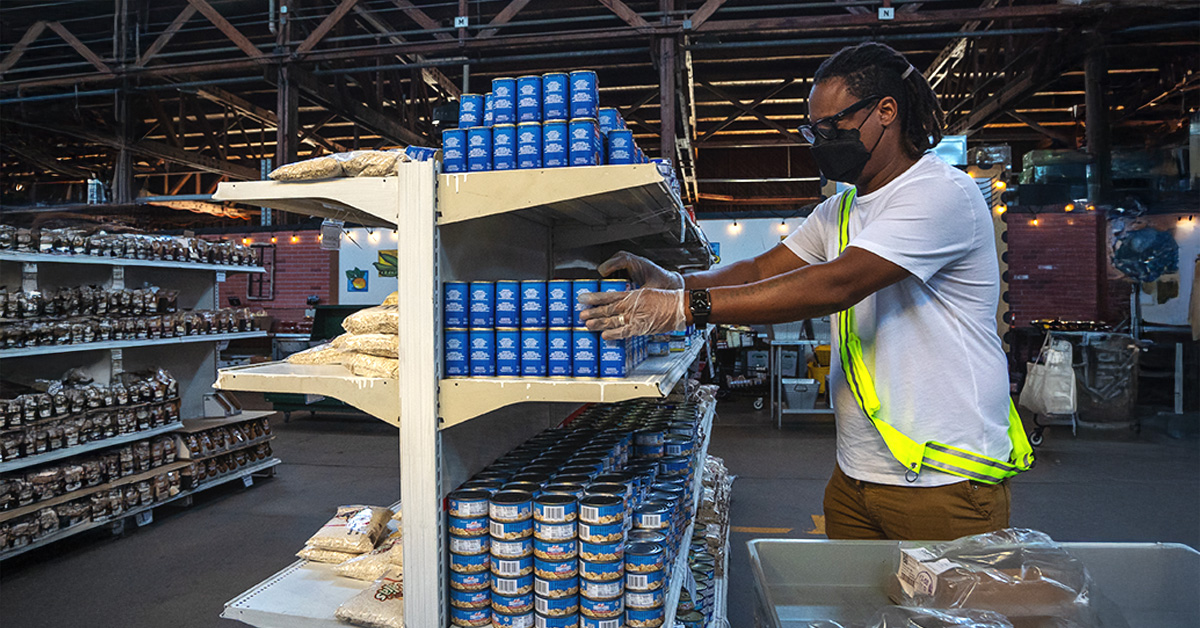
[648, 437]
[558, 606]
[601, 609]
[507, 304]
[512, 567]
[517, 620]
[454, 151]
[527, 487]
[651, 517]
[578, 287]
[508, 356]
[601, 590]
[482, 357]
[621, 147]
[504, 101]
[533, 304]
[555, 569]
[678, 445]
[649, 451]
[570, 488]
[511, 531]
[559, 353]
[468, 527]
[489, 108]
[470, 111]
[468, 504]
[470, 599]
[529, 98]
[614, 359]
[610, 120]
[645, 617]
[644, 581]
[691, 619]
[529, 145]
[560, 300]
[601, 533]
[512, 549]
[482, 301]
[519, 585]
[583, 149]
[469, 581]
[585, 359]
[555, 550]
[598, 509]
[554, 531]
[470, 563]
[644, 557]
[585, 94]
[566, 621]
[533, 353]
[644, 599]
[504, 147]
[673, 465]
[565, 587]
[508, 506]
[490, 486]
[470, 617]
[512, 604]
[457, 352]
[555, 140]
[455, 304]
[556, 96]
[601, 551]
[479, 149]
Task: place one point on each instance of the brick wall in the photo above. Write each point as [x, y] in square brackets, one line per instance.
[302, 269]
[1056, 267]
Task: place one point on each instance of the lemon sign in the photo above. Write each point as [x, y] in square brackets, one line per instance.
[356, 280]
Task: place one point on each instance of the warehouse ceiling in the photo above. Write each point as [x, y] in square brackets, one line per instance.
[178, 95]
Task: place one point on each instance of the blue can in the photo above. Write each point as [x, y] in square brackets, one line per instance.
[673, 465]
[601, 509]
[644, 600]
[595, 622]
[601, 609]
[507, 304]
[651, 516]
[533, 353]
[470, 599]
[554, 508]
[555, 550]
[454, 150]
[614, 359]
[555, 142]
[468, 527]
[601, 532]
[520, 585]
[610, 120]
[585, 357]
[621, 147]
[614, 285]
[469, 581]
[457, 351]
[455, 303]
[533, 304]
[583, 149]
[560, 303]
[554, 531]
[601, 590]
[602, 570]
[470, 111]
[504, 147]
[578, 287]
[556, 96]
[489, 118]
[511, 531]
[482, 301]
[644, 581]
[482, 358]
[678, 445]
[564, 587]
[560, 352]
[468, 504]
[509, 506]
[557, 607]
[644, 616]
[555, 569]
[517, 620]
[529, 145]
[504, 100]
[470, 617]
[585, 94]
[519, 548]
[469, 546]
[479, 149]
[512, 567]
[644, 557]
[566, 621]
[512, 604]
[470, 563]
[529, 98]
[598, 551]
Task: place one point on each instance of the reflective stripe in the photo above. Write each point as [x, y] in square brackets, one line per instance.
[911, 454]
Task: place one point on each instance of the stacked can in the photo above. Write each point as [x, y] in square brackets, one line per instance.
[556, 574]
[510, 527]
[615, 360]
[601, 555]
[645, 580]
[533, 319]
[504, 100]
[585, 356]
[456, 338]
[482, 322]
[470, 598]
[454, 150]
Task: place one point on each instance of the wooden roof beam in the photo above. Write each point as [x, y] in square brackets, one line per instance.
[325, 26]
[628, 15]
[79, 47]
[422, 18]
[162, 40]
[354, 110]
[503, 17]
[32, 33]
[228, 29]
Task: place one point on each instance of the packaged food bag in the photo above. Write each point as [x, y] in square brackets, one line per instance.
[387, 559]
[354, 529]
[380, 605]
[381, 345]
[318, 555]
[320, 354]
[381, 319]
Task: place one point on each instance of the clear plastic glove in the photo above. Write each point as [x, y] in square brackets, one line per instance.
[642, 271]
[635, 313]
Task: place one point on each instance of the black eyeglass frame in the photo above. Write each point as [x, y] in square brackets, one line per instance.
[826, 128]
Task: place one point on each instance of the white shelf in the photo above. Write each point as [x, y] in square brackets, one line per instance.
[375, 396]
[680, 568]
[64, 258]
[127, 344]
[67, 452]
[466, 398]
[90, 525]
[191, 426]
[368, 201]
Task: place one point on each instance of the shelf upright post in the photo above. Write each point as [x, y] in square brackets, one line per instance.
[420, 367]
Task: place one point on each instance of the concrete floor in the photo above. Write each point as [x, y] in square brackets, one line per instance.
[181, 569]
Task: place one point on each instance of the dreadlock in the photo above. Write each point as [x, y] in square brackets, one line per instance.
[874, 69]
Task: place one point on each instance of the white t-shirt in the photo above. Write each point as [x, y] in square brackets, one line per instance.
[929, 340]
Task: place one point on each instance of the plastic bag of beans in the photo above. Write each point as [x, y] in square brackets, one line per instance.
[382, 345]
[353, 529]
[382, 319]
[380, 605]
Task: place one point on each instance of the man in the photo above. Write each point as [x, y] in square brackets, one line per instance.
[926, 434]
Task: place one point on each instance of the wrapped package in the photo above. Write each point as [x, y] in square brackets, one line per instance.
[320, 354]
[392, 299]
[905, 617]
[326, 167]
[370, 163]
[382, 319]
[353, 529]
[364, 365]
[380, 605]
[318, 555]
[382, 345]
[387, 559]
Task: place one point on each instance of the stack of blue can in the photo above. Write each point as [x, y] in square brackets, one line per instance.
[470, 583]
[548, 121]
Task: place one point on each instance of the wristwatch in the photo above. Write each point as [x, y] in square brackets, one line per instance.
[701, 306]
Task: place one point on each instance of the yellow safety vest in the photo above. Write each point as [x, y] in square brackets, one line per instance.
[911, 454]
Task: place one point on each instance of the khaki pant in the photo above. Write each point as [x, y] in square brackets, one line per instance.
[865, 510]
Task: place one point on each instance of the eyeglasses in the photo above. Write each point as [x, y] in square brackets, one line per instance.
[826, 128]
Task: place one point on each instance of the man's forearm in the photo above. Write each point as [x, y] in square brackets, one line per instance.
[743, 272]
[809, 292]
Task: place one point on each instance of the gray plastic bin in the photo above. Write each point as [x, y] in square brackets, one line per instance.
[1156, 585]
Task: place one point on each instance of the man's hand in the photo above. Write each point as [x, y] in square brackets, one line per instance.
[642, 271]
[635, 313]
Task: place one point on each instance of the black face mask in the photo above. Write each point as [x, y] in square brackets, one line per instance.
[843, 157]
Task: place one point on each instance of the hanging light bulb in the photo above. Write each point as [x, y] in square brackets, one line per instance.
[1000, 209]
[1070, 207]
[999, 184]
[295, 239]
[274, 239]
[735, 227]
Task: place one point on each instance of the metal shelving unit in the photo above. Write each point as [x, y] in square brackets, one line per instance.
[128, 344]
[67, 452]
[680, 569]
[477, 226]
[63, 258]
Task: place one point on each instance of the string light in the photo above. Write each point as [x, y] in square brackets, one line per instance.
[394, 235]
[1035, 222]
[274, 240]
[783, 228]
[295, 239]
[320, 237]
[1091, 207]
[246, 241]
[735, 227]
[1069, 207]
[1000, 209]
[999, 185]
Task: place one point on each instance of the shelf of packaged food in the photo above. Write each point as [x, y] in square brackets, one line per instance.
[680, 568]
[90, 525]
[67, 452]
[76, 415]
[191, 426]
[127, 344]
[66, 258]
[463, 399]
[88, 490]
[229, 450]
[302, 595]
[720, 599]
[368, 201]
[375, 396]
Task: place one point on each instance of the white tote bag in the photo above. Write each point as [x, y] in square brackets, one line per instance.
[1050, 383]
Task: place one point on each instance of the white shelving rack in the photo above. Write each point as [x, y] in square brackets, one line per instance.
[526, 224]
[192, 359]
